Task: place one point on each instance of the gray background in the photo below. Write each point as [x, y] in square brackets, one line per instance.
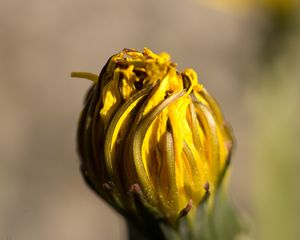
[42, 193]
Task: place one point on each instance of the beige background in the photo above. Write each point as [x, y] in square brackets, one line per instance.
[42, 194]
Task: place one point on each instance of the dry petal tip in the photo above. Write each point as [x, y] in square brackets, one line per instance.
[187, 209]
[107, 186]
[129, 50]
[207, 192]
[135, 188]
[228, 145]
[206, 187]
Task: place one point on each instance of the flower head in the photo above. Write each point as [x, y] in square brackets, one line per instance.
[150, 132]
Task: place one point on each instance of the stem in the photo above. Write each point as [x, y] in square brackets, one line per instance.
[151, 231]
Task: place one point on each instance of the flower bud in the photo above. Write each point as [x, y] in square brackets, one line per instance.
[151, 136]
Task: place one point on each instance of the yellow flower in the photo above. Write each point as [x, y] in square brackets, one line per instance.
[151, 133]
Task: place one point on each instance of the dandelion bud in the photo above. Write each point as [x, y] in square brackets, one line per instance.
[151, 136]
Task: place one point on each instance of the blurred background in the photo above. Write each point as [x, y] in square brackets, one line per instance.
[247, 54]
